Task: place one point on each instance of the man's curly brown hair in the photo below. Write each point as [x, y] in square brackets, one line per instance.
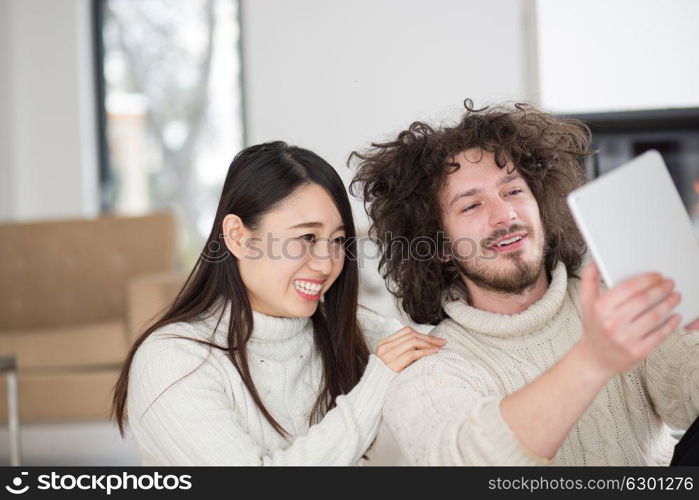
[400, 181]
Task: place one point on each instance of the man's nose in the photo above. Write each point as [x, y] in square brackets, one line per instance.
[503, 213]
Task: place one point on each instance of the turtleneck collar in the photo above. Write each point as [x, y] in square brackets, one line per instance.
[265, 328]
[512, 325]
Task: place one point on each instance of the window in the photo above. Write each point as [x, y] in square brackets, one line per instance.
[171, 108]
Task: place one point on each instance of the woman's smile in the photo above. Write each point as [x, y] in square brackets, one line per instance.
[308, 289]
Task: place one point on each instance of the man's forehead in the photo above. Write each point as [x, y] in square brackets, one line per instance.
[474, 155]
[471, 178]
[481, 173]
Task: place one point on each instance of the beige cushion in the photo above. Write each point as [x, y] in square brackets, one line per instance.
[64, 309]
[148, 297]
[62, 396]
[66, 272]
[93, 344]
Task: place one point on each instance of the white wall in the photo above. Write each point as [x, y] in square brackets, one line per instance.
[332, 75]
[601, 55]
[6, 194]
[47, 150]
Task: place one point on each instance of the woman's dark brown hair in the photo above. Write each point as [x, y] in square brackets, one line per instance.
[400, 180]
[258, 179]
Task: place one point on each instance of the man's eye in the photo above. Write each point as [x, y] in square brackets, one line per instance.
[308, 237]
[470, 207]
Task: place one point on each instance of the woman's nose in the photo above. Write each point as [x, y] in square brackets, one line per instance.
[321, 258]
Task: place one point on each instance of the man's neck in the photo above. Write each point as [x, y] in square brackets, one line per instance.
[500, 303]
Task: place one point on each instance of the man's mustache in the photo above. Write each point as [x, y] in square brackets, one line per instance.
[493, 238]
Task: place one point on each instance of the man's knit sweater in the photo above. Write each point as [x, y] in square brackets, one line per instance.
[188, 405]
[445, 409]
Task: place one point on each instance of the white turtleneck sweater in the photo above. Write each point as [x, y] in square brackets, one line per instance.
[445, 408]
[209, 418]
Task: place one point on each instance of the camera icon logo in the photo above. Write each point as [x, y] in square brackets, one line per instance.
[16, 488]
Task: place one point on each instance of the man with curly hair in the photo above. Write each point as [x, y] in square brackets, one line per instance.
[541, 365]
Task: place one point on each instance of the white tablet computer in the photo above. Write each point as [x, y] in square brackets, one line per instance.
[633, 222]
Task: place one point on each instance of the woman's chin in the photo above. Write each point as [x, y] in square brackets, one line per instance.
[300, 308]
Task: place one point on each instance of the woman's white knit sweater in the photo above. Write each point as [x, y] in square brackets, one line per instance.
[187, 405]
[445, 408]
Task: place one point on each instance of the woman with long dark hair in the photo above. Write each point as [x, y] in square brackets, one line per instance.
[265, 357]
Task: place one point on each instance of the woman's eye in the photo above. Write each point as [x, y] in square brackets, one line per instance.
[340, 240]
[515, 191]
[308, 237]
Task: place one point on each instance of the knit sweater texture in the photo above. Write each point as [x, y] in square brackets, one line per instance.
[445, 409]
[187, 404]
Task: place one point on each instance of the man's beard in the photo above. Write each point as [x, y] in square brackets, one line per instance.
[511, 281]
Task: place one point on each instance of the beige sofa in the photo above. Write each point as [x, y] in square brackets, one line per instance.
[74, 294]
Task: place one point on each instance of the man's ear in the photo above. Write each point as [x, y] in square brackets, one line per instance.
[234, 234]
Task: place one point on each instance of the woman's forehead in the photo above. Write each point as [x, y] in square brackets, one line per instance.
[310, 204]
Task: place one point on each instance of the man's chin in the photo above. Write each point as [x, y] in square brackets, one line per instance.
[505, 275]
